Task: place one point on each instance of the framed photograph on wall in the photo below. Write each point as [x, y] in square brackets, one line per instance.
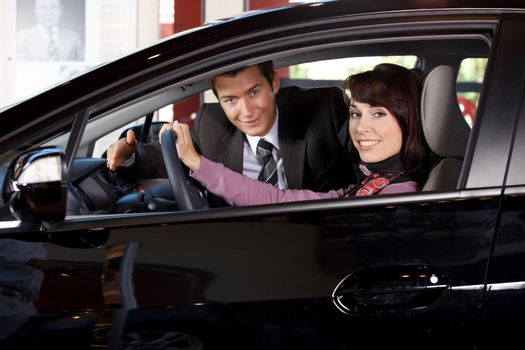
[48, 42]
[50, 30]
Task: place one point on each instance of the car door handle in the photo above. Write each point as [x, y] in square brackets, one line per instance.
[389, 288]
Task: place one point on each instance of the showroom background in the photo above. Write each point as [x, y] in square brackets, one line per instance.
[108, 28]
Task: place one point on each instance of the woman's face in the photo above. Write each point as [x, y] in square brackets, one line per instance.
[375, 132]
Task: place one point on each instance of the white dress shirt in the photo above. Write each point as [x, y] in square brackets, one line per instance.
[252, 164]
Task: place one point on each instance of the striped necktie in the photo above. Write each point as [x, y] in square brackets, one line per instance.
[269, 170]
[52, 47]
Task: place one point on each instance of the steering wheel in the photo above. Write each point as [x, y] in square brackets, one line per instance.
[187, 195]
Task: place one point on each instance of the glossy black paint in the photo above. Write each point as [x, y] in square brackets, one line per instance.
[505, 304]
[296, 260]
[265, 277]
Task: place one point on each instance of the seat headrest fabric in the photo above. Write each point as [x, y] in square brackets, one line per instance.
[444, 127]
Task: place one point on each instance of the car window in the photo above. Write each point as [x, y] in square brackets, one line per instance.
[339, 69]
[102, 144]
[181, 101]
[335, 71]
[318, 73]
[312, 73]
[470, 79]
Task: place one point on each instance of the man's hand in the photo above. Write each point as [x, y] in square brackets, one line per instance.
[121, 150]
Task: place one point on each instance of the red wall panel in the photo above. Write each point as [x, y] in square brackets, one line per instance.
[187, 16]
[261, 4]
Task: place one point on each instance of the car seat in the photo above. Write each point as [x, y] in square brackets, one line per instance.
[444, 128]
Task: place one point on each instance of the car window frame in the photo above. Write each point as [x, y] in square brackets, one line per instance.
[173, 79]
[515, 179]
[283, 208]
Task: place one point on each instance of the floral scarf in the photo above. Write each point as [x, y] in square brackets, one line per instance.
[378, 176]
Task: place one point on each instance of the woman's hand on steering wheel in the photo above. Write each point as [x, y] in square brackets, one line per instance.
[187, 153]
[187, 195]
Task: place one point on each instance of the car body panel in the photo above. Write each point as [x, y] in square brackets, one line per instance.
[251, 267]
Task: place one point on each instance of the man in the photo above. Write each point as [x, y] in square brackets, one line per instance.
[307, 130]
[47, 41]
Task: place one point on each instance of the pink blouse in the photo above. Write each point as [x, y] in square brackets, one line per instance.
[238, 190]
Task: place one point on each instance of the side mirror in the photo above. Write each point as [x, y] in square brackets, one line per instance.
[35, 188]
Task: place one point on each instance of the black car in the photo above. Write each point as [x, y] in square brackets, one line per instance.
[118, 264]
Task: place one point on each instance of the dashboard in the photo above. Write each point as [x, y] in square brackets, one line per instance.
[93, 189]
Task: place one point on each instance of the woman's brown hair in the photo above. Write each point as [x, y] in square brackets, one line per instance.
[397, 89]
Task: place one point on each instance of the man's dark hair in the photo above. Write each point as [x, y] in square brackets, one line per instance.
[266, 68]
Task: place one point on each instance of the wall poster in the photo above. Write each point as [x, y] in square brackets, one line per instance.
[47, 43]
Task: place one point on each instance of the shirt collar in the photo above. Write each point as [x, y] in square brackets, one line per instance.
[272, 136]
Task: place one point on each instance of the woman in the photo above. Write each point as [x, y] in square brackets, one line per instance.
[387, 143]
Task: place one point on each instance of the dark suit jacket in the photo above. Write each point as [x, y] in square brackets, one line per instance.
[313, 137]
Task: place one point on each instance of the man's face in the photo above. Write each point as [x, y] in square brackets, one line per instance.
[48, 12]
[248, 100]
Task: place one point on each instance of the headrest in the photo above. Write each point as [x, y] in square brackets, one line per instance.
[444, 127]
